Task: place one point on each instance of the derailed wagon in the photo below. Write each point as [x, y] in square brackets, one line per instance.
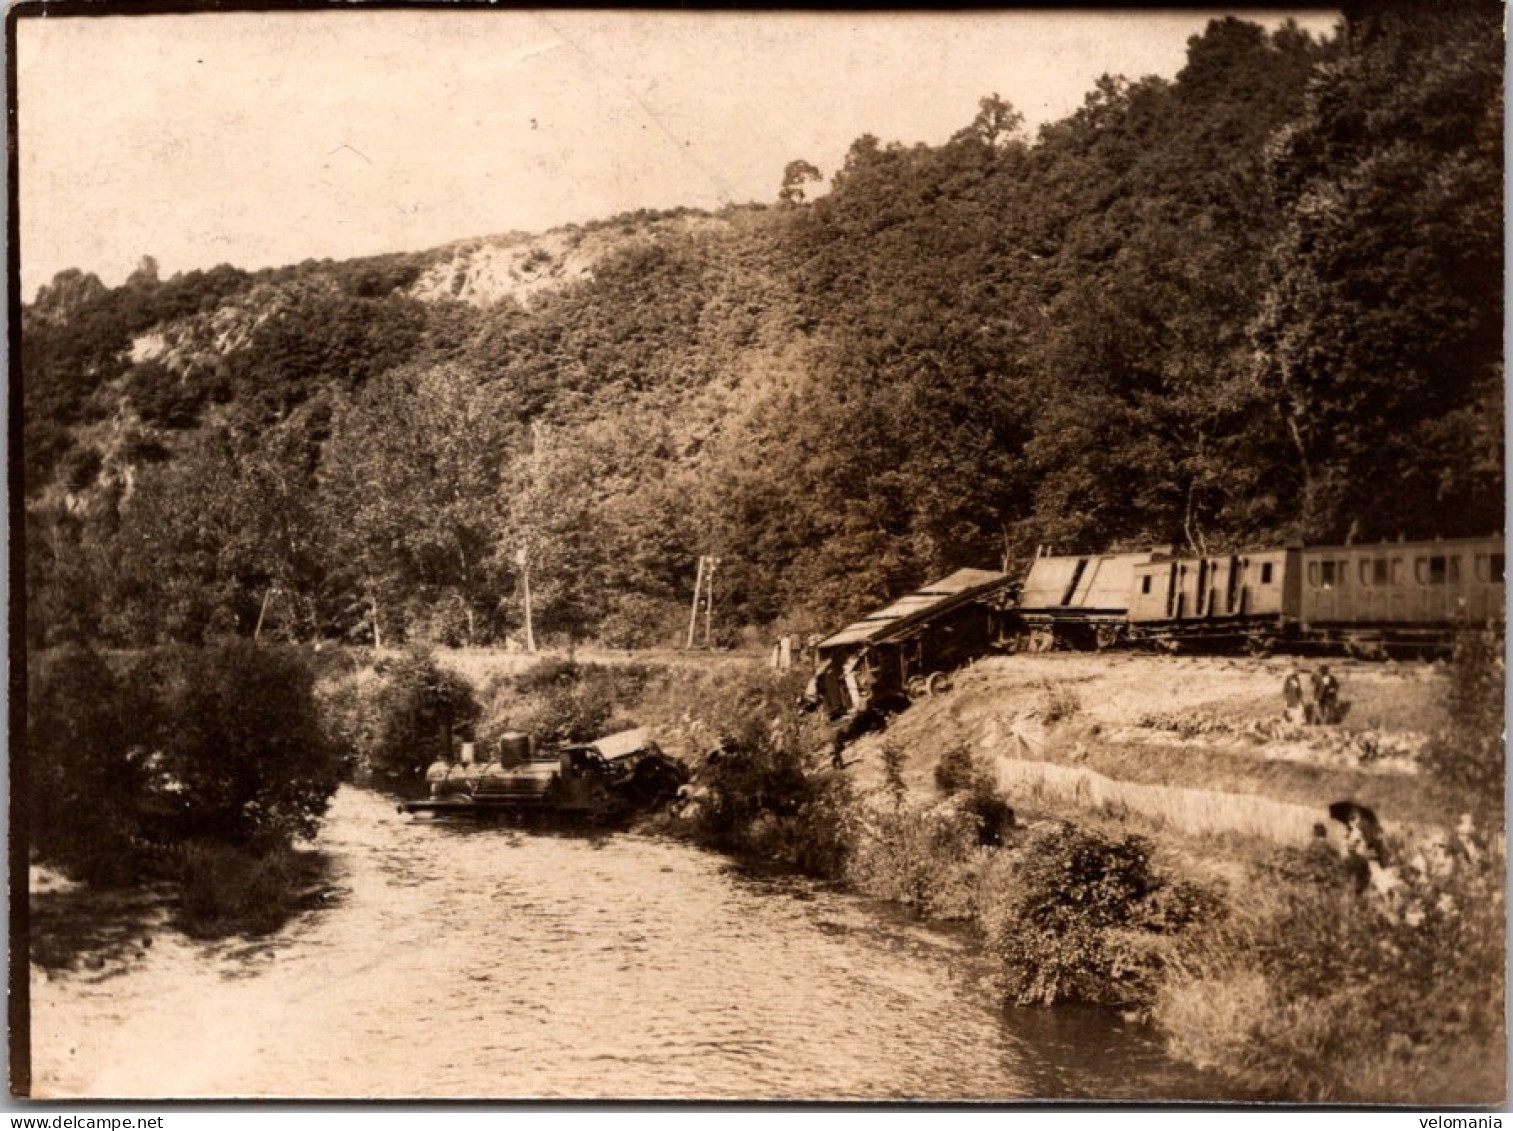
[608, 778]
[909, 649]
[1076, 601]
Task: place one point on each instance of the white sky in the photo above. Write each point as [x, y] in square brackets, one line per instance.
[267, 138]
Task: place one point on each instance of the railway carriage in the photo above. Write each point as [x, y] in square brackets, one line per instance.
[1374, 597]
[1220, 599]
[1367, 599]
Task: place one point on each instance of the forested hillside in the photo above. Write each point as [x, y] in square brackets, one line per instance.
[1260, 301]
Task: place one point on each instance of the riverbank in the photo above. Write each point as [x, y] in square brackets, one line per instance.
[1171, 852]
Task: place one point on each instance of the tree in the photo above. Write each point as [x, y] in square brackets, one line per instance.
[795, 176]
[410, 485]
[996, 125]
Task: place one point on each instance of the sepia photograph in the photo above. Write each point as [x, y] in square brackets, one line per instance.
[751, 556]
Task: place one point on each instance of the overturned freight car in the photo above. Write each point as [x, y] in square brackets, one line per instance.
[909, 648]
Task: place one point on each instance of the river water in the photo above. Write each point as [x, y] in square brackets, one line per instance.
[456, 960]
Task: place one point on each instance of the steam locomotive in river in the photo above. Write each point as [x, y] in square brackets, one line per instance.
[1367, 600]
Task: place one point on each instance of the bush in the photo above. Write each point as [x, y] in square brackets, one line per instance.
[1322, 994]
[959, 772]
[417, 703]
[927, 859]
[639, 621]
[1058, 702]
[164, 398]
[1360, 990]
[748, 781]
[1469, 755]
[240, 752]
[821, 836]
[221, 744]
[81, 468]
[87, 785]
[562, 701]
[955, 770]
[1089, 919]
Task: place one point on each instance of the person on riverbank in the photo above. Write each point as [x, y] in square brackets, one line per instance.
[1326, 696]
[1293, 695]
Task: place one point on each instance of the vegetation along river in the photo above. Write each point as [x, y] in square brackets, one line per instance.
[484, 961]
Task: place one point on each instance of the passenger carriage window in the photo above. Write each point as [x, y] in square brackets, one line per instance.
[1452, 569]
[1379, 571]
[1421, 570]
[1437, 570]
[1395, 571]
[1265, 573]
[1145, 584]
[1342, 574]
[1365, 571]
[1497, 568]
[1313, 574]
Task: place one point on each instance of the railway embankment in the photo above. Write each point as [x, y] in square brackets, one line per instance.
[1194, 746]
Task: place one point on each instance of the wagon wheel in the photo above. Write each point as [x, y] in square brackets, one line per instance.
[1107, 636]
[1261, 646]
[917, 687]
[938, 683]
[1363, 648]
[1041, 640]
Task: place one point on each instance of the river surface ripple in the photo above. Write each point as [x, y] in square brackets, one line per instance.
[485, 961]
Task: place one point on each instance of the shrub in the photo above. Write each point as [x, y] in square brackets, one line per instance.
[163, 397]
[562, 700]
[240, 752]
[87, 784]
[1315, 993]
[1358, 989]
[81, 468]
[417, 703]
[893, 772]
[1059, 702]
[639, 621]
[1469, 755]
[746, 781]
[1089, 919]
[955, 770]
[221, 743]
[960, 772]
[926, 859]
[821, 837]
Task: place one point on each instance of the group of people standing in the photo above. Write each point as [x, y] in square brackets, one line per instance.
[1313, 697]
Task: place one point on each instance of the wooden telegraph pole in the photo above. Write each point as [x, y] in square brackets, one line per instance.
[703, 591]
[709, 600]
[693, 615]
[523, 560]
[523, 556]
